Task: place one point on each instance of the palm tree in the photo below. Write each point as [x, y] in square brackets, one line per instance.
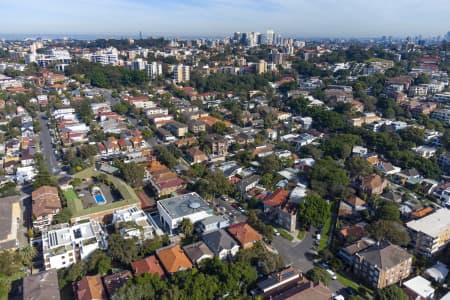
[27, 254]
[187, 227]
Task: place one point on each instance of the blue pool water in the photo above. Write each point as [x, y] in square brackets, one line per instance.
[99, 199]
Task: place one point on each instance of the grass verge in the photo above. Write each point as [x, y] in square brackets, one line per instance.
[285, 234]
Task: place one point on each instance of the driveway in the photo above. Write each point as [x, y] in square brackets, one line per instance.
[295, 253]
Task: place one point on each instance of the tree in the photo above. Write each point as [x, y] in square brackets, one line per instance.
[392, 292]
[122, 250]
[329, 179]
[27, 254]
[270, 164]
[64, 215]
[99, 263]
[358, 166]
[388, 211]
[164, 156]
[187, 227]
[133, 174]
[314, 210]
[317, 275]
[340, 145]
[389, 230]
[219, 127]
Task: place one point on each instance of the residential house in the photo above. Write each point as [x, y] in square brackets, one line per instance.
[356, 203]
[217, 143]
[198, 252]
[213, 223]
[115, 281]
[196, 126]
[41, 286]
[221, 244]
[149, 265]
[173, 259]
[387, 168]
[382, 264]
[373, 184]
[133, 222]
[195, 156]
[90, 288]
[248, 183]
[45, 205]
[280, 210]
[277, 282]
[419, 288]
[246, 235]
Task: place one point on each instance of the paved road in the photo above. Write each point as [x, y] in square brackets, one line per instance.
[295, 253]
[47, 147]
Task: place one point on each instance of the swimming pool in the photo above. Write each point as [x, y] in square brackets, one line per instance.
[98, 195]
[99, 199]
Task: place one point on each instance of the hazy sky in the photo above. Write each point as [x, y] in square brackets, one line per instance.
[298, 18]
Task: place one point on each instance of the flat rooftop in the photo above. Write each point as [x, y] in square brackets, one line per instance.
[184, 205]
[433, 224]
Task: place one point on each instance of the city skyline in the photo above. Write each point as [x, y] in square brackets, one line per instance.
[301, 18]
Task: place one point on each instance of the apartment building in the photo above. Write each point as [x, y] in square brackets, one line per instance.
[431, 233]
[442, 115]
[63, 245]
[181, 73]
[153, 70]
[382, 264]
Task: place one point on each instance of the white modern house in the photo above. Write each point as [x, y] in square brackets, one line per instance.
[133, 222]
[63, 245]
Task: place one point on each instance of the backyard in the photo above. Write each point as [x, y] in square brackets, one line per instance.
[116, 193]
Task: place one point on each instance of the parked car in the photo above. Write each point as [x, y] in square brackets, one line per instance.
[332, 274]
[276, 232]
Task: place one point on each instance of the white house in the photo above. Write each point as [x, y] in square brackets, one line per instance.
[133, 222]
[25, 174]
[61, 243]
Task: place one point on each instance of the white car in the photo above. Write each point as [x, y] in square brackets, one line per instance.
[276, 232]
[332, 275]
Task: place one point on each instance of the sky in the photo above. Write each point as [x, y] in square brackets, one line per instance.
[295, 18]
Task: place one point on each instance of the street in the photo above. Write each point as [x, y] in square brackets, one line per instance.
[47, 146]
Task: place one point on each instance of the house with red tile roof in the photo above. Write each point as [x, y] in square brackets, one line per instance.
[45, 205]
[149, 265]
[173, 259]
[90, 288]
[245, 234]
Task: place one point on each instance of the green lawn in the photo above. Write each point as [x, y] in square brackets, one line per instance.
[324, 235]
[301, 234]
[347, 282]
[73, 202]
